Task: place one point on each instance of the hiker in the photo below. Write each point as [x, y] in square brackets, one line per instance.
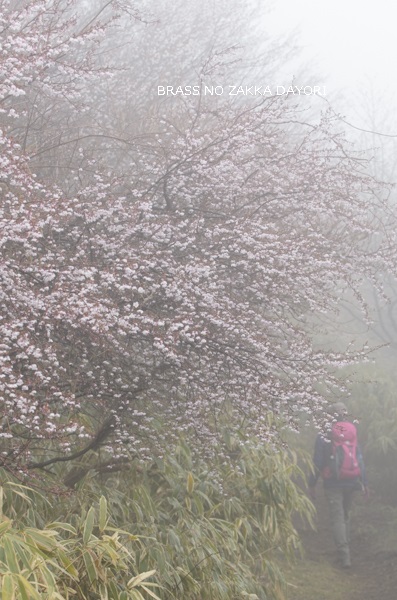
[338, 459]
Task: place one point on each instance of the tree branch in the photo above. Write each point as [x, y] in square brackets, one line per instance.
[102, 434]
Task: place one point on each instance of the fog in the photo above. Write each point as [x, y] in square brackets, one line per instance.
[190, 115]
[350, 43]
[198, 256]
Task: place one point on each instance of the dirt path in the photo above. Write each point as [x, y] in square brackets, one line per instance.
[373, 575]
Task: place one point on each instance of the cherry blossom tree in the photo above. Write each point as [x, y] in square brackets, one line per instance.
[168, 290]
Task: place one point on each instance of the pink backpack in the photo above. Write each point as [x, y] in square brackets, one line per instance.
[343, 459]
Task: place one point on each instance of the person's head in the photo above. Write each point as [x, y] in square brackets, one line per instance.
[338, 409]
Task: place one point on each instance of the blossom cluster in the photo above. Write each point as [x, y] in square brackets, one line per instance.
[170, 285]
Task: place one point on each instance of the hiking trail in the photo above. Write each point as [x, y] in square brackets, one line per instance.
[373, 550]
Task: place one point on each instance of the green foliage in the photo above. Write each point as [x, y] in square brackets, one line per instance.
[60, 561]
[216, 532]
[375, 405]
[177, 529]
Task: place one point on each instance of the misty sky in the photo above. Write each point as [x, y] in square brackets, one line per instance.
[352, 43]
